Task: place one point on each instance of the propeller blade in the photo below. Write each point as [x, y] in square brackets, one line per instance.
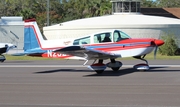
[155, 51]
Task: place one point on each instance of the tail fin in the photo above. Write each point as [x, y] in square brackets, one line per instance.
[33, 38]
[34, 44]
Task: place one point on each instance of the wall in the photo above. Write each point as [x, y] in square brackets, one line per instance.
[12, 31]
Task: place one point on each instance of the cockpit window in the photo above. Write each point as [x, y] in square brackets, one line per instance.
[103, 37]
[118, 35]
[124, 35]
[85, 40]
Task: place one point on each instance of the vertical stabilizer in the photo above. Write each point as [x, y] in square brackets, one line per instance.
[32, 36]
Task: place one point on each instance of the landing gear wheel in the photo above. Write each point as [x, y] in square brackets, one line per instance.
[114, 65]
[2, 60]
[141, 66]
[115, 68]
[99, 71]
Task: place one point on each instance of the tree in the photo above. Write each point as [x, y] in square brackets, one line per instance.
[26, 14]
[101, 7]
[170, 46]
[77, 9]
[148, 3]
[168, 3]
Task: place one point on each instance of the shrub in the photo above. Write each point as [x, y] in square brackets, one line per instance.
[170, 45]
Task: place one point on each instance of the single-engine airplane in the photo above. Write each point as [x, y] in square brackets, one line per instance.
[109, 44]
[5, 47]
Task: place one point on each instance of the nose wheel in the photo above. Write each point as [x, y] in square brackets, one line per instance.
[141, 66]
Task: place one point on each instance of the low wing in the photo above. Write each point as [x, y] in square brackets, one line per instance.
[3, 50]
[86, 52]
[5, 47]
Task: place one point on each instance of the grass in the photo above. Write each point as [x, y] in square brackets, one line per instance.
[149, 57]
[162, 57]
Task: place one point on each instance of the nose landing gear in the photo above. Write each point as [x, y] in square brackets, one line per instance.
[141, 66]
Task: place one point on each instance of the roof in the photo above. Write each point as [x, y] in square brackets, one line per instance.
[152, 17]
[166, 12]
[11, 21]
[174, 11]
[121, 19]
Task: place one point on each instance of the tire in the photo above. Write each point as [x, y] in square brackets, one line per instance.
[99, 71]
[115, 68]
[2, 61]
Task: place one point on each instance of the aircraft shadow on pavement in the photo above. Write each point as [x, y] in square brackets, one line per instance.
[105, 73]
[109, 72]
[61, 70]
[125, 71]
[161, 69]
[114, 73]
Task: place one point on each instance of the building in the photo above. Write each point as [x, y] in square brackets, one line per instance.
[125, 16]
[165, 12]
[12, 31]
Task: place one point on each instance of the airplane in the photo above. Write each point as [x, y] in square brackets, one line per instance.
[5, 47]
[90, 47]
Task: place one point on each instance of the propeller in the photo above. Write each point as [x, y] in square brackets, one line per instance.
[155, 51]
[157, 43]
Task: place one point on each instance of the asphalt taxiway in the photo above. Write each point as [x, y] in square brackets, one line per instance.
[69, 84]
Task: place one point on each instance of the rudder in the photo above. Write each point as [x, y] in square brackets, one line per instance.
[32, 35]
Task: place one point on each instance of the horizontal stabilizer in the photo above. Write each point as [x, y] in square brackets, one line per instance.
[18, 54]
[30, 52]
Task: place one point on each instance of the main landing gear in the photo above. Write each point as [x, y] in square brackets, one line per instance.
[100, 66]
[2, 58]
[115, 65]
[141, 66]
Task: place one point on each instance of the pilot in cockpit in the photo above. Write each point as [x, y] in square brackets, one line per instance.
[119, 38]
[99, 38]
[107, 38]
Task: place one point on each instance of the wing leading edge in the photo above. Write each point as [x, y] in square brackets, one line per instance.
[87, 53]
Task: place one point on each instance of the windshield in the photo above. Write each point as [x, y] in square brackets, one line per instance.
[119, 35]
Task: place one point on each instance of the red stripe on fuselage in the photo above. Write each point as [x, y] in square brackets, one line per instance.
[124, 45]
[50, 55]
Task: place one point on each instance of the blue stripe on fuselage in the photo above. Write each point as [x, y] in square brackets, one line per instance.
[116, 45]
